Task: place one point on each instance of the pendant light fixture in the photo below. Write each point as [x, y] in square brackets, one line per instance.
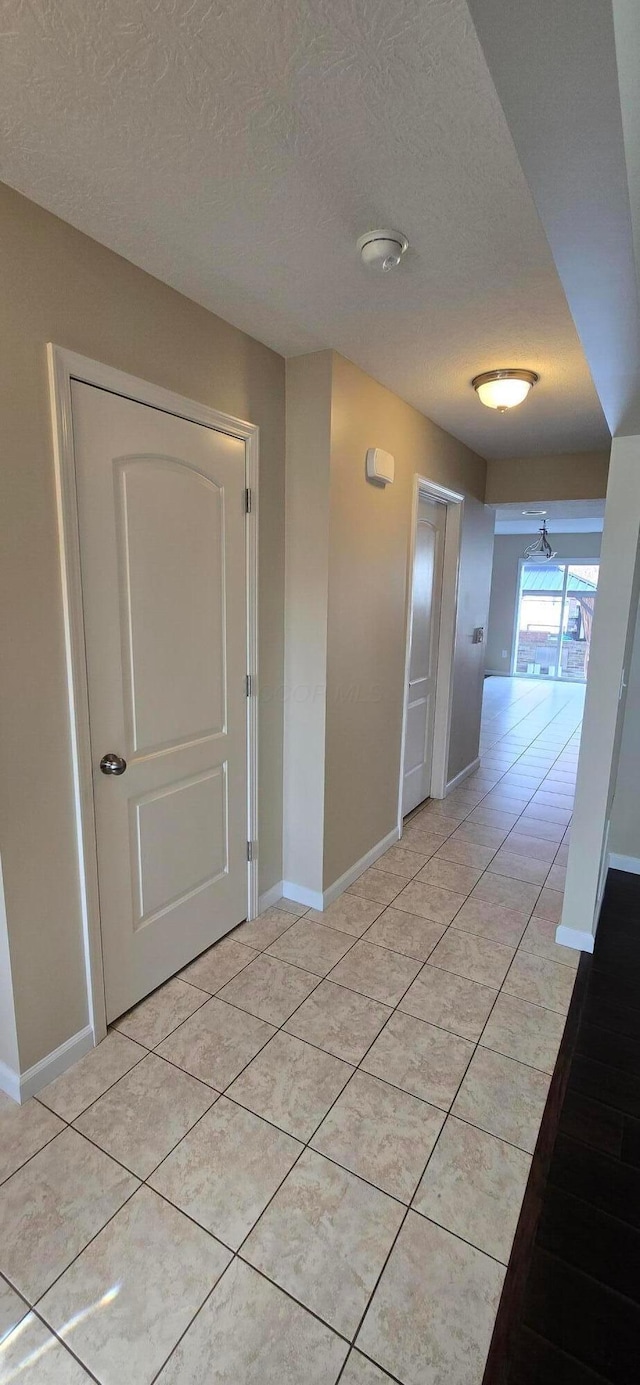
[540, 550]
[502, 389]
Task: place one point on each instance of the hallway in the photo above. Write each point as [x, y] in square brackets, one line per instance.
[305, 1156]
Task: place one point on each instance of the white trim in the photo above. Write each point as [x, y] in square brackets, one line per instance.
[629, 863]
[342, 883]
[464, 774]
[604, 871]
[578, 938]
[516, 622]
[11, 1061]
[454, 502]
[63, 367]
[70, 1052]
[310, 899]
[21, 1086]
[271, 897]
[314, 899]
[9, 1081]
[251, 465]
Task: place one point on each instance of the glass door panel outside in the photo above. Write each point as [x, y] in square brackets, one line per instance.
[555, 613]
[582, 582]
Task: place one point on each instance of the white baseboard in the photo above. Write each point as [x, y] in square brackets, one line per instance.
[630, 863]
[299, 894]
[339, 886]
[314, 899]
[271, 897]
[20, 1086]
[9, 1081]
[464, 774]
[578, 938]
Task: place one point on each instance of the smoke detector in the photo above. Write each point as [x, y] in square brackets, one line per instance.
[382, 249]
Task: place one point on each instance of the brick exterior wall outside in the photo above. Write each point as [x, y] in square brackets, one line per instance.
[534, 649]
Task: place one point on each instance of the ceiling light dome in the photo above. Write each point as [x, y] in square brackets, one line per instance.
[502, 389]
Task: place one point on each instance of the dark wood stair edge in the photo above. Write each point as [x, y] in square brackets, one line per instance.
[509, 1316]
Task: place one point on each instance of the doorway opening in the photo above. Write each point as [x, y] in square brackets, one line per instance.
[432, 583]
[554, 618]
[157, 878]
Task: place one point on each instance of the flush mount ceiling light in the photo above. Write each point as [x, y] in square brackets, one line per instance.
[382, 249]
[502, 389]
[534, 514]
[540, 549]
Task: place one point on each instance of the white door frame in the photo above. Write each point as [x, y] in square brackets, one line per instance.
[65, 366]
[453, 502]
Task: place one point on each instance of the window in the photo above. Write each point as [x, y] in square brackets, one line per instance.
[555, 615]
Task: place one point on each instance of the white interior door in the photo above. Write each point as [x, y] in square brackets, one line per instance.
[424, 627]
[161, 517]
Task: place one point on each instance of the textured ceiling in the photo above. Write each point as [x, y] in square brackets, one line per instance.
[573, 107]
[237, 148]
[562, 516]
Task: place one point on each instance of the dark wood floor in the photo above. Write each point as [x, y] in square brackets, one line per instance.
[570, 1311]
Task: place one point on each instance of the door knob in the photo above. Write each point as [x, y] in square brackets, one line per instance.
[112, 763]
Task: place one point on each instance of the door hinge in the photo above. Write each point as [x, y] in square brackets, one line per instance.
[252, 851]
[248, 501]
[249, 685]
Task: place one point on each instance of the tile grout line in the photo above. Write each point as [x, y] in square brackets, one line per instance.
[280, 1028]
[408, 1206]
[30, 1310]
[224, 1091]
[35, 1307]
[305, 1146]
[265, 951]
[144, 1183]
[65, 1346]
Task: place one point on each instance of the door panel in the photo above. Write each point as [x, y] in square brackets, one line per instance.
[423, 569]
[161, 513]
[416, 735]
[179, 841]
[424, 632]
[173, 611]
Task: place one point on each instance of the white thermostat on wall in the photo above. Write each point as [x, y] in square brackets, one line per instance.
[380, 466]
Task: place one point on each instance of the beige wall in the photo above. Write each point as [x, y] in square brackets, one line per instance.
[307, 576]
[474, 585]
[369, 531]
[58, 285]
[508, 549]
[346, 601]
[565, 476]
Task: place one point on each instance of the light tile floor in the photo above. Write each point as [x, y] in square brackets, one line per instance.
[304, 1157]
